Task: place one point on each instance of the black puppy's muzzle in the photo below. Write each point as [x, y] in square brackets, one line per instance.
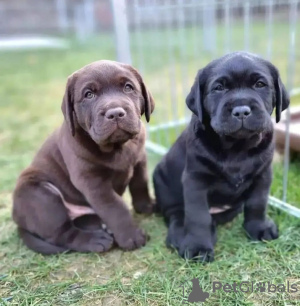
[241, 117]
[244, 109]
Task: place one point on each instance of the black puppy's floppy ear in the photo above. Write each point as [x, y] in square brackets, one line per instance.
[282, 98]
[194, 98]
[67, 106]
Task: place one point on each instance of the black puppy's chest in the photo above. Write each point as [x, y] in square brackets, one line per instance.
[235, 174]
[232, 177]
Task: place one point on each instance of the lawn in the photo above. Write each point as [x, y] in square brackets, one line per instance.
[31, 89]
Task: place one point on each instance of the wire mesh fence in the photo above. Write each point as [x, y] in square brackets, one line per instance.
[168, 41]
[172, 39]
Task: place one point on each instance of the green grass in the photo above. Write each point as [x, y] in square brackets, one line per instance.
[31, 89]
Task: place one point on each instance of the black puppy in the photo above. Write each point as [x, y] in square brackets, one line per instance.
[221, 164]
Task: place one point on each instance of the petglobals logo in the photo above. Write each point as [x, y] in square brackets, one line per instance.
[252, 287]
[193, 293]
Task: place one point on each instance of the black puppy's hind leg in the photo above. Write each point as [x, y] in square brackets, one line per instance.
[175, 230]
[169, 206]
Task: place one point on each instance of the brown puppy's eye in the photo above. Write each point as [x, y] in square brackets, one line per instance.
[260, 84]
[89, 95]
[128, 87]
[219, 87]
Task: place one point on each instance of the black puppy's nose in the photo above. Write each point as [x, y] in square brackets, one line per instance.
[115, 113]
[241, 112]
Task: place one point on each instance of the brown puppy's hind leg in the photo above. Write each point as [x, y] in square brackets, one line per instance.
[45, 226]
[38, 244]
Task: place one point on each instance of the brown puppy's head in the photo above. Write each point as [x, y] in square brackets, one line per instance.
[106, 99]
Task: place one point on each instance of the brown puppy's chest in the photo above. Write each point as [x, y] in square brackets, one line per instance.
[123, 168]
[118, 168]
[76, 203]
[121, 180]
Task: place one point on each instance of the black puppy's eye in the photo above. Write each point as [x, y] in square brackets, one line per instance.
[89, 95]
[219, 87]
[260, 84]
[128, 87]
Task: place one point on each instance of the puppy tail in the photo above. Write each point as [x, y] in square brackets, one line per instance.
[38, 244]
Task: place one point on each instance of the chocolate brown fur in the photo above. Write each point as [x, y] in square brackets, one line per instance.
[86, 165]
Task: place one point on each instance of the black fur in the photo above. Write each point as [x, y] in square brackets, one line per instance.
[222, 159]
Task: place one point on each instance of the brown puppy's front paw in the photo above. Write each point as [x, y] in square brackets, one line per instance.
[132, 239]
[145, 207]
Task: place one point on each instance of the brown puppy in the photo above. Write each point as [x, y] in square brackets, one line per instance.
[84, 167]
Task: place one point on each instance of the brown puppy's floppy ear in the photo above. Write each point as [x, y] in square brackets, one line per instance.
[194, 98]
[148, 100]
[149, 103]
[67, 106]
[282, 98]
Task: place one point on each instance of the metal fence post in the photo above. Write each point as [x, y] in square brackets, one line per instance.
[79, 25]
[227, 20]
[62, 15]
[269, 24]
[247, 12]
[89, 13]
[121, 31]
[209, 25]
[290, 80]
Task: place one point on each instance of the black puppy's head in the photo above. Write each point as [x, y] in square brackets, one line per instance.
[238, 93]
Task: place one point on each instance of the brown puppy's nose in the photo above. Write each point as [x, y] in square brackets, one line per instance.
[115, 113]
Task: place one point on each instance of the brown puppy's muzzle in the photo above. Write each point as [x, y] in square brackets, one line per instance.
[115, 122]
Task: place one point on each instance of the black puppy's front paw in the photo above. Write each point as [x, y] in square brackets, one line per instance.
[193, 248]
[261, 230]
